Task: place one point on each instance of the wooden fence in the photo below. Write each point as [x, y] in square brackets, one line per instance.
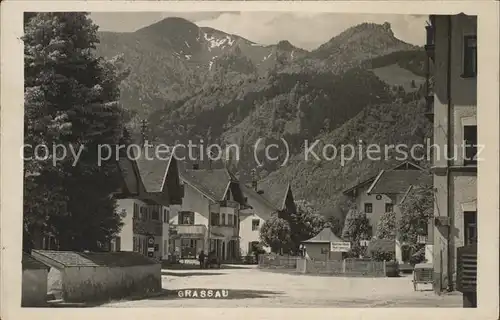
[347, 267]
[276, 261]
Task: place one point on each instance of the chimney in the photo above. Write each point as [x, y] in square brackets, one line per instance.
[196, 166]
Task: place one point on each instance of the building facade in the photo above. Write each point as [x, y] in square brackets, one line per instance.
[452, 104]
[262, 204]
[208, 218]
[150, 185]
[378, 194]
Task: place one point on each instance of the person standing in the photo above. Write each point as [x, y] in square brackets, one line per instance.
[201, 258]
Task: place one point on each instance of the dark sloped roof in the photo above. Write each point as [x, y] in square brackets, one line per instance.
[212, 182]
[398, 181]
[95, 259]
[30, 263]
[389, 166]
[253, 196]
[119, 259]
[275, 193]
[153, 167]
[326, 235]
[126, 167]
[65, 258]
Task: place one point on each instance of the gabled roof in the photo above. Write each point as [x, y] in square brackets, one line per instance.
[65, 259]
[153, 168]
[326, 235]
[391, 166]
[253, 195]
[276, 194]
[213, 183]
[398, 181]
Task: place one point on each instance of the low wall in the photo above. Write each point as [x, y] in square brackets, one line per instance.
[34, 288]
[276, 261]
[347, 267]
[83, 284]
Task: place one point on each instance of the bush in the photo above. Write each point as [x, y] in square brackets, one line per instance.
[382, 255]
[418, 257]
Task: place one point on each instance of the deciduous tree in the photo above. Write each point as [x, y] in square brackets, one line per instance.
[276, 234]
[386, 227]
[416, 211]
[356, 228]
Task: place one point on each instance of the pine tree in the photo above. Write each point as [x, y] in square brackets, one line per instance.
[71, 98]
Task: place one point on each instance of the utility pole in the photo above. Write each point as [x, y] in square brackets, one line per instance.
[144, 128]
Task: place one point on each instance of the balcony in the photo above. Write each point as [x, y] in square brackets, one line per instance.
[229, 204]
[149, 227]
[225, 230]
[186, 231]
[429, 107]
[430, 43]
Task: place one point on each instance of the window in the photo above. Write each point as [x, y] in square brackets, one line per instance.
[389, 207]
[157, 247]
[186, 217]
[155, 214]
[230, 219]
[470, 145]
[117, 244]
[223, 219]
[470, 227]
[235, 218]
[470, 56]
[165, 215]
[214, 219]
[368, 208]
[165, 247]
[136, 210]
[135, 246]
[255, 224]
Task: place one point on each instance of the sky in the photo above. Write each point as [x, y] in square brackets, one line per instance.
[306, 30]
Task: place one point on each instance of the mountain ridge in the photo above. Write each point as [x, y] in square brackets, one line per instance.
[203, 83]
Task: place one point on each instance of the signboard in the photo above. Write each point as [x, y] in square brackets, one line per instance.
[340, 246]
[151, 241]
[151, 246]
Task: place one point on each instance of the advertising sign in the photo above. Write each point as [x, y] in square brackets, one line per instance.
[340, 246]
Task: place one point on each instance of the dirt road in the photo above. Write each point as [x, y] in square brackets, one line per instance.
[250, 287]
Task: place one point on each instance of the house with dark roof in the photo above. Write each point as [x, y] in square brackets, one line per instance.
[150, 184]
[396, 185]
[382, 193]
[262, 204]
[208, 218]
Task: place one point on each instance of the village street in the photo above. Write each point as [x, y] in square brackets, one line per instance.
[251, 287]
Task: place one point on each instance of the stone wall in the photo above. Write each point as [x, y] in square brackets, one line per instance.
[104, 283]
